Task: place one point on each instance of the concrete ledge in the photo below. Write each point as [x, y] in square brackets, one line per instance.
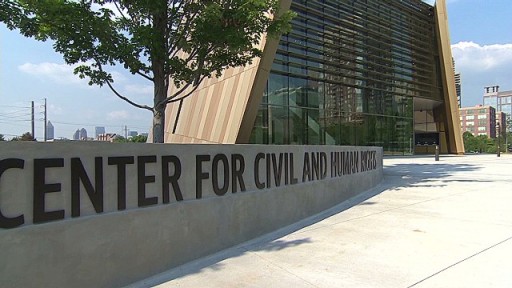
[117, 247]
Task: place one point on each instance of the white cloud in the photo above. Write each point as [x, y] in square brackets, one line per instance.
[480, 66]
[118, 115]
[473, 56]
[60, 73]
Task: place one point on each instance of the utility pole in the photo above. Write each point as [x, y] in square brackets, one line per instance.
[45, 121]
[125, 132]
[33, 120]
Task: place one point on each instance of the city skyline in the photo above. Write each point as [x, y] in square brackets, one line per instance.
[482, 58]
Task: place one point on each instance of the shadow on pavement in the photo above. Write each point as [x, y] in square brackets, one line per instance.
[413, 174]
[396, 176]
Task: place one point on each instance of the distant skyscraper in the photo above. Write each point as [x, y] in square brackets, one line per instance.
[76, 136]
[83, 134]
[50, 131]
[99, 130]
[132, 134]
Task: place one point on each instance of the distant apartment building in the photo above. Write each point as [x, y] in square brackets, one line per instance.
[50, 131]
[501, 100]
[132, 133]
[478, 120]
[501, 118]
[107, 137]
[98, 131]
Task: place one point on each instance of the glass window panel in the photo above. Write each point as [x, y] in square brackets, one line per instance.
[314, 128]
[278, 125]
[260, 131]
[298, 91]
[277, 91]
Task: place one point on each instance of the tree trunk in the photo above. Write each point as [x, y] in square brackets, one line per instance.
[158, 124]
[160, 93]
[158, 55]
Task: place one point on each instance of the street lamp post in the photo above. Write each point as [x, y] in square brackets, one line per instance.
[499, 132]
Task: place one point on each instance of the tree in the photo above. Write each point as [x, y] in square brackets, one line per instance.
[25, 137]
[470, 142]
[183, 41]
[119, 139]
[138, 139]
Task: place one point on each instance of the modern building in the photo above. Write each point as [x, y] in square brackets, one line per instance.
[83, 134]
[80, 134]
[501, 118]
[132, 133]
[50, 131]
[375, 72]
[479, 120]
[501, 100]
[98, 131]
[76, 135]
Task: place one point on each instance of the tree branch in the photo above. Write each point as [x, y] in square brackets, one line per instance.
[165, 101]
[183, 35]
[144, 76]
[128, 100]
[100, 67]
[120, 11]
[173, 99]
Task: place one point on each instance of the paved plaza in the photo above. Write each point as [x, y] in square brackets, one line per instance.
[428, 224]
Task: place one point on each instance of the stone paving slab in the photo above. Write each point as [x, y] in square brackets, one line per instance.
[428, 224]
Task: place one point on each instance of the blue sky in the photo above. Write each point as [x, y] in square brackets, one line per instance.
[480, 30]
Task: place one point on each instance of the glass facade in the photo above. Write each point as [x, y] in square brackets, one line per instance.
[347, 74]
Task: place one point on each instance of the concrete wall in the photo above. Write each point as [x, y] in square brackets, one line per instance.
[70, 219]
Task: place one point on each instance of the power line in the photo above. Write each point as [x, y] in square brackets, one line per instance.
[9, 106]
[13, 124]
[14, 113]
[17, 114]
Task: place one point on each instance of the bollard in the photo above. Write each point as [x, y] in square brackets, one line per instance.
[437, 153]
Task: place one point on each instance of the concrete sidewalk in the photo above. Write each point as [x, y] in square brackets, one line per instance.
[428, 224]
